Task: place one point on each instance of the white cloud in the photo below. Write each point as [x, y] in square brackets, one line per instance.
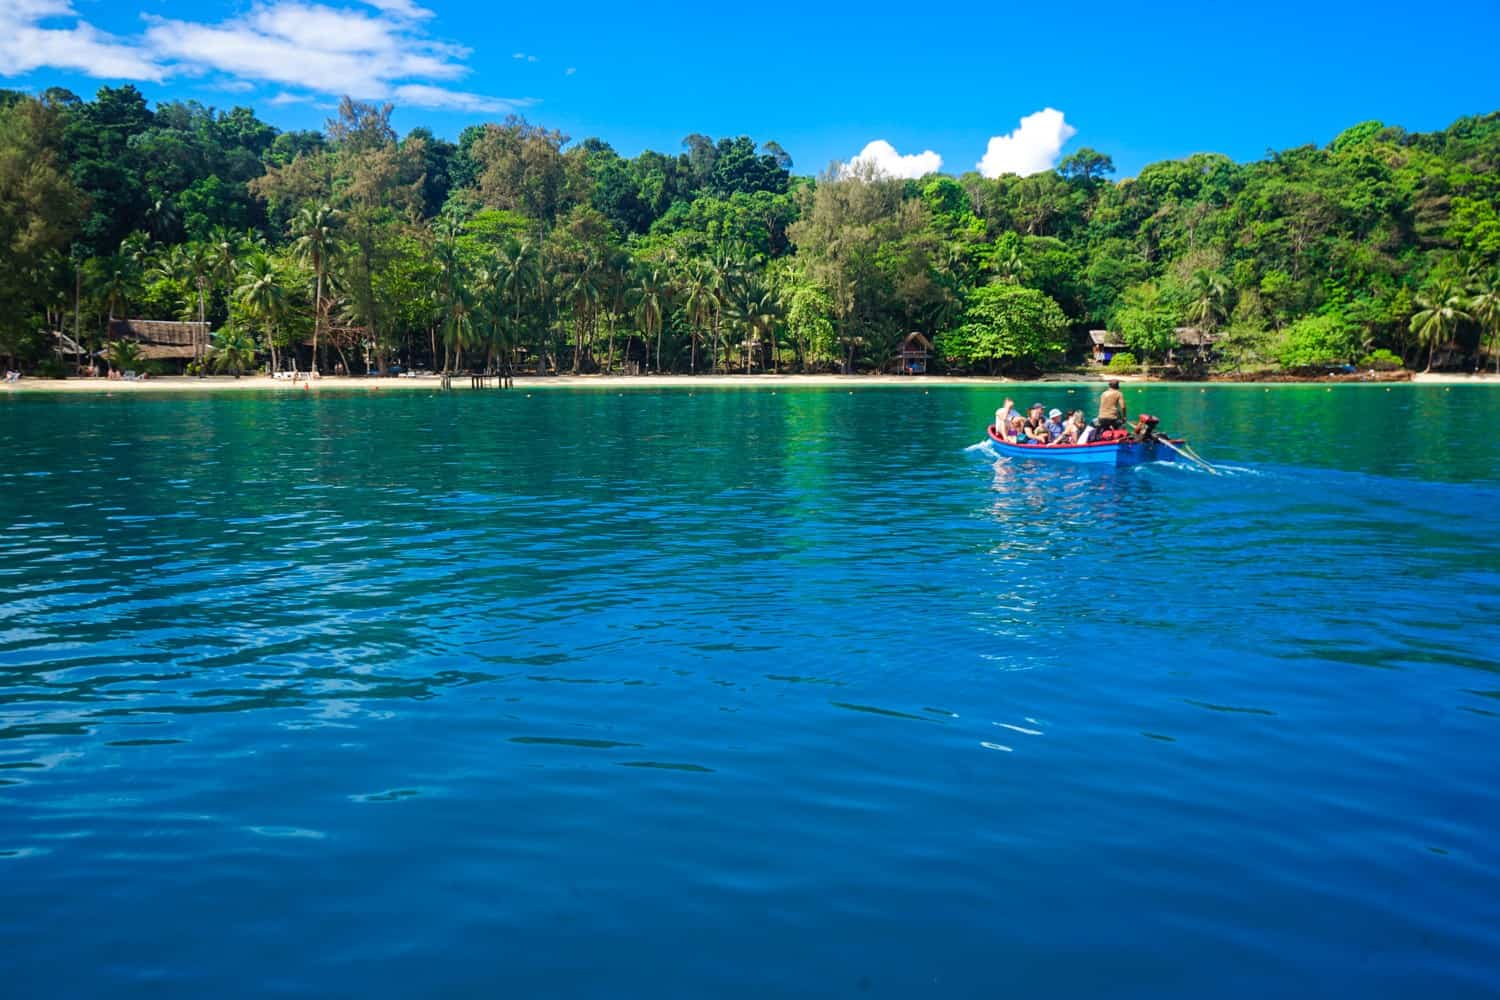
[570, 71]
[25, 45]
[1033, 147]
[381, 53]
[882, 157]
[400, 8]
[418, 95]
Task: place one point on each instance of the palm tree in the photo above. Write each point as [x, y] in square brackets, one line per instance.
[652, 290]
[187, 263]
[315, 229]
[1438, 315]
[123, 355]
[162, 216]
[763, 315]
[727, 274]
[517, 276]
[489, 305]
[234, 350]
[117, 283]
[455, 310]
[1210, 294]
[700, 303]
[617, 292]
[262, 296]
[223, 255]
[1484, 305]
[584, 289]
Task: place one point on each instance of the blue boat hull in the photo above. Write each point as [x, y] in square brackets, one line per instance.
[1104, 453]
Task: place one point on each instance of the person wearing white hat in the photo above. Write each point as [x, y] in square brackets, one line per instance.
[1054, 424]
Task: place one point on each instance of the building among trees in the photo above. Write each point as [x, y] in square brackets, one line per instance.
[163, 340]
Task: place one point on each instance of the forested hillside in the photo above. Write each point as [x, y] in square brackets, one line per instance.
[516, 241]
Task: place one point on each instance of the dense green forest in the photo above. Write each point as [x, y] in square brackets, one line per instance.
[355, 246]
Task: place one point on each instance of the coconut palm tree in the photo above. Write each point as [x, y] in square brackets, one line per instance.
[455, 307]
[1438, 314]
[763, 312]
[1208, 305]
[517, 273]
[234, 350]
[1484, 305]
[315, 229]
[584, 288]
[653, 290]
[700, 302]
[123, 355]
[263, 297]
[222, 251]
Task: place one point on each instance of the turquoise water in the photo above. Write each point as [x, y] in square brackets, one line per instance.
[744, 694]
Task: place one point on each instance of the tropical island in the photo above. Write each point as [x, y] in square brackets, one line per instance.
[181, 239]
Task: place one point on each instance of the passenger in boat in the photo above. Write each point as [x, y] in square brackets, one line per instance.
[1145, 427]
[1054, 424]
[1112, 407]
[1089, 433]
[1070, 429]
[1003, 415]
[1016, 432]
[1036, 417]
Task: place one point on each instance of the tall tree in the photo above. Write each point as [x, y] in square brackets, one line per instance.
[1484, 305]
[263, 296]
[1439, 311]
[314, 230]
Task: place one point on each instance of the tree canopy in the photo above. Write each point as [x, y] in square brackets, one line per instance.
[516, 241]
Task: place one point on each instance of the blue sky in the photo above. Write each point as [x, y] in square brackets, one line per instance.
[1139, 82]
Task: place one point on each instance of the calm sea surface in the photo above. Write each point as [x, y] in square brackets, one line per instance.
[732, 693]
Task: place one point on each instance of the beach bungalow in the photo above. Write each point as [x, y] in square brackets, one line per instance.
[916, 351]
[163, 340]
[1192, 343]
[1106, 344]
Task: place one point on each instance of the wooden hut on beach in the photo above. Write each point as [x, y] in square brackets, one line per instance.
[915, 352]
[163, 340]
[1105, 344]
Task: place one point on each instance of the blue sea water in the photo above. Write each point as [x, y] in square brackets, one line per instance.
[742, 693]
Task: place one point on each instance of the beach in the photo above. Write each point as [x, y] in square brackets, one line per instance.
[261, 383]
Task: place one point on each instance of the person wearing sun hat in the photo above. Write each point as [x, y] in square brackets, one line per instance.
[1055, 424]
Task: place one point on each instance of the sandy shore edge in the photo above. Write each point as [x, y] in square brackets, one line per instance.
[432, 383]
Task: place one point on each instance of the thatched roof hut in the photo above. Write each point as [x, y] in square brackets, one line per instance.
[1191, 336]
[1107, 339]
[160, 338]
[914, 354]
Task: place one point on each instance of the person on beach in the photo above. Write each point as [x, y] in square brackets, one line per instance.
[1111, 407]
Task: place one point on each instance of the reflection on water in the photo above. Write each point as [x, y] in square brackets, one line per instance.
[662, 667]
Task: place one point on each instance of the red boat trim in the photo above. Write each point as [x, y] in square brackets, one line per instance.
[1063, 447]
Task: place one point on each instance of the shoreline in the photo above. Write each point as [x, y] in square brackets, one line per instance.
[168, 384]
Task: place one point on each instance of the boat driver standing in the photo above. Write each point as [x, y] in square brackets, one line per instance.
[1112, 407]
